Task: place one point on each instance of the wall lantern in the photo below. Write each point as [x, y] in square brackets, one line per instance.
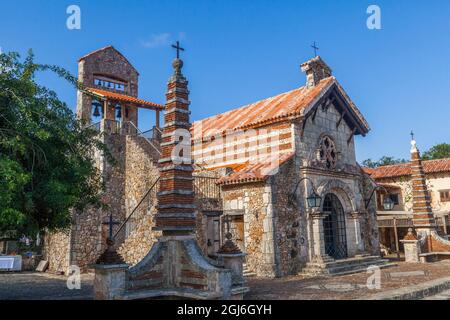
[313, 200]
[388, 204]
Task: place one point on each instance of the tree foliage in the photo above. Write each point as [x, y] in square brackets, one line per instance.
[384, 161]
[46, 156]
[438, 151]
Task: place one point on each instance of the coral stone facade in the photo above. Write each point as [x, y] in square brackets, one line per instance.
[256, 166]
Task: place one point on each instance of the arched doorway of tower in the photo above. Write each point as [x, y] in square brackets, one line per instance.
[334, 227]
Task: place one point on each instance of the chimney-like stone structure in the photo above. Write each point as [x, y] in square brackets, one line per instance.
[423, 218]
[316, 69]
[176, 207]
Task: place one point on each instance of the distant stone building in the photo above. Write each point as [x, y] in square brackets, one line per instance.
[396, 183]
[283, 168]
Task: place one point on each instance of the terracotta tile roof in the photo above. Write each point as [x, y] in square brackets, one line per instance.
[274, 109]
[255, 172]
[285, 106]
[404, 169]
[125, 98]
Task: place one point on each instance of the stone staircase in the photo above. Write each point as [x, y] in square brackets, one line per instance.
[333, 267]
[247, 272]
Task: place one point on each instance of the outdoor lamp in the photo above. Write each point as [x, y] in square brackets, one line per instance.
[314, 200]
[388, 204]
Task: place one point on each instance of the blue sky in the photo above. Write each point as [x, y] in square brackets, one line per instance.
[238, 52]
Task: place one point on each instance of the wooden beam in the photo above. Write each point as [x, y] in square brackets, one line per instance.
[340, 118]
[157, 119]
[351, 135]
[315, 112]
[397, 247]
[303, 126]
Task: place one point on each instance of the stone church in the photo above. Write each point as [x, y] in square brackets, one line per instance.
[281, 171]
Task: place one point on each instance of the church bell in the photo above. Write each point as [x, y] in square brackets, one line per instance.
[118, 111]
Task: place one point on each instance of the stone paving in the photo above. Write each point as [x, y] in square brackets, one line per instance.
[39, 286]
[42, 286]
[346, 287]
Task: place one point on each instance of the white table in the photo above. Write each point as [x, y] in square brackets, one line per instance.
[10, 263]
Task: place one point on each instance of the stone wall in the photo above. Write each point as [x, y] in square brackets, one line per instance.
[89, 234]
[290, 222]
[141, 174]
[56, 251]
[256, 201]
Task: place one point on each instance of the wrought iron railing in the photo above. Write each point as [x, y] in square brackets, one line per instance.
[206, 187]
[94, 126]
[142, 208]
[129, 128]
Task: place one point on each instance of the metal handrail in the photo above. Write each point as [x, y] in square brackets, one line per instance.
[141, 134]
[97, 124]
[135, 209]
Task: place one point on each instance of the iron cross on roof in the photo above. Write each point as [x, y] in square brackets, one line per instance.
[111, 224]
[315, 47]
[177, 46]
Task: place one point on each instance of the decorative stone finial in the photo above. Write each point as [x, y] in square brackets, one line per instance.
[177, 65]
[414, 146]
[410, 235]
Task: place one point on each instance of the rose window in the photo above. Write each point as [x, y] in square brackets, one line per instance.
[328, 153]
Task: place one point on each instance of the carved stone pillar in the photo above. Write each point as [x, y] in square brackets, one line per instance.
[318, 238]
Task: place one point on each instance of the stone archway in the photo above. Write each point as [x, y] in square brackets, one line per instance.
[334, 227]
[339, 188]
[351, 205]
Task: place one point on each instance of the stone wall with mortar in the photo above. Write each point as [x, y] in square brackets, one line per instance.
[56, 251]
[126, 182]
[291, 236]
[141, 175]
[255, 199]
[88, 237]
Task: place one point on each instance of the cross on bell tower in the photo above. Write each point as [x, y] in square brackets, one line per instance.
[315, 47]
[178, 48]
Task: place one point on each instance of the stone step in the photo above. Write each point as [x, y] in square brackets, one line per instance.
[349, 261]
[342, 267]
[249, 274]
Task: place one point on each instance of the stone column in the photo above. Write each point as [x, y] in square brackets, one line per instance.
[358, 245]
[232, 258]
[412, 247]
[109, 281]
[110, 274]
[176, 209]
[318, 237]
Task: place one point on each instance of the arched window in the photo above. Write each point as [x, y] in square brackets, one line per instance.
[328, 152]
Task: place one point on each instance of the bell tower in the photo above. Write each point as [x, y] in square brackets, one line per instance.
[106, 72]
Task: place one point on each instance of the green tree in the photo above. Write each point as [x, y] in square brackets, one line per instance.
[46, 163]
[438, 151]
[384, 161]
